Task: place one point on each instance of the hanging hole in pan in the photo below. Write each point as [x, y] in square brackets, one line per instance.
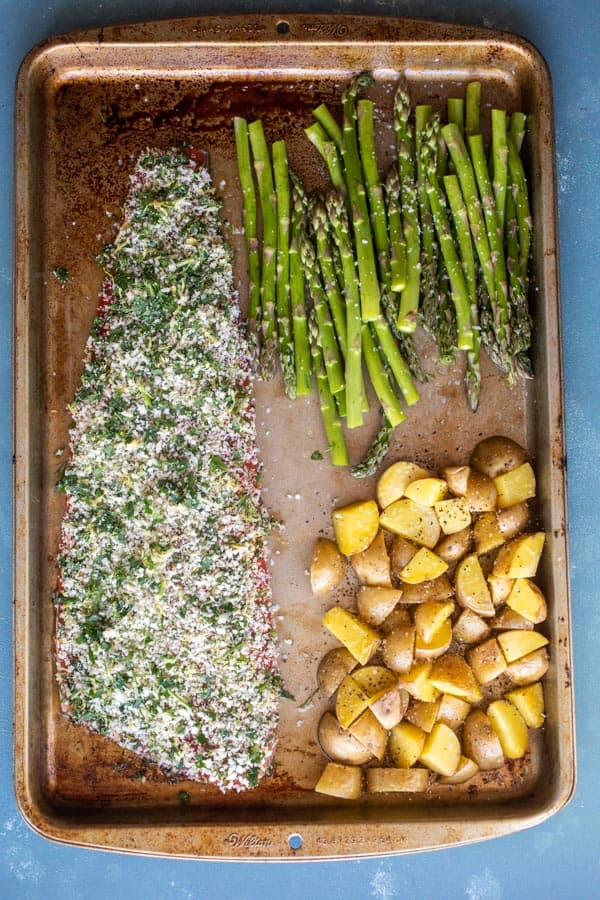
[295, 841]
[283, 27]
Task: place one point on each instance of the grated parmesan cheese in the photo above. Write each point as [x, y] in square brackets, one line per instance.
[164, 633]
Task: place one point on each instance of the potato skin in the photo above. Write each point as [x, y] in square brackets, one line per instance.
[496, 455]
[480, 742]
[327, 568]
[339, 745]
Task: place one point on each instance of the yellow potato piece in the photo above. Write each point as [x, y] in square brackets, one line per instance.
[515, 486]
[480, 741]
[519, 558]
[350, 702]
[529, 700]
[487, 661]
[405, 744]
[470, 628]
[422, 714]
[424, 566]
[527, 599]
[374, 681]
[441, 752]
[388, 780]
[509, 725]
[486, 533]
[529, 668]
[426, 491]
[390, 709]
[340, 781]
[355, 526]
[333, 668]
[412, 521]
[453, 515]
[519, 643]
[430, 616]
[370, 732]
[452, 711]
[437, 644]
[416, 681]
[467, 769]
[399, 647]
[374, 604]
[451, 674]
[361, 640]
[372, 565]
[497, 454]
[394, 480]
[471, 587]
[327, 568]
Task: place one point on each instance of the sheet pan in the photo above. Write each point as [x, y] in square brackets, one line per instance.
[87, 104]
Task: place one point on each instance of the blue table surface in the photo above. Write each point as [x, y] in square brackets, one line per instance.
[559, 858]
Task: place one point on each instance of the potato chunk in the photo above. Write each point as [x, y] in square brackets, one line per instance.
[372, 565]
[436, 645]
[472, 590]
[451, 674]
[481, 743]
[391, 708]
[519, 643]
[430, 616]
[355, 526]
[453, 515]
[467, 769]
[422, 714]
[509, 725]
[333, 668]
[374, 681]
[441, 751]
[338, 744]
[361, 640]
[383, 780]
[529, 668]
[527, 599]
[399, 648]
[424, 566]
[340, 781]
[393, 482]
[374, 604]
[452, 710]
[416, 681]
[470, 628]
[497, 454]
[350, 702]
[370, 732]
[327, 568]
[487, 533]
[529, 700]
[515, 486]
[487, 661]
[412, 521]
[519, 558]
[405, 744]
[426, 491]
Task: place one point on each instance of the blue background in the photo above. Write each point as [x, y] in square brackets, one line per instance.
[557, 859]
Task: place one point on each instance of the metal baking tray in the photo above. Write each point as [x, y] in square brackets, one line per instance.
[87, 104]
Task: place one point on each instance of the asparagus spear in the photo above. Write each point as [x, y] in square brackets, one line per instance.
[242, 145]
[456, 112]
[368, 155]
[327, 339]
[376, 452]
[472, 106]
[284, 319]
[379, 379]
[521, 198]
[327, 121]
[499, 163]
[391, 354]
[460, 295]
[355, 393]
[468, 185]
[319, 222]
[397, 243]
[494, 235]
[467, 256]
[409, 300]
[518, 122]
[329, 152]
[429, 250]
[298, 291]
[363, 240]
[331, 420]
[268, 204]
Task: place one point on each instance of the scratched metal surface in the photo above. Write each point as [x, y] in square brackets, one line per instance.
[559, 854]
